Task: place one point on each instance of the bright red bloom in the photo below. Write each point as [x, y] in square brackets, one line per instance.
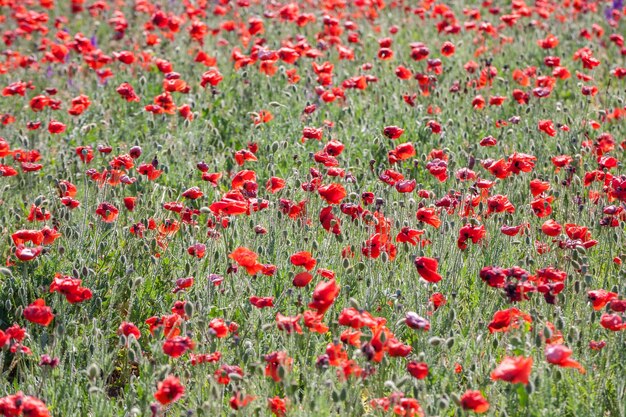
[313, 321]
[418, 370]
[56, 127]
[541, 206]
[222, 374]
[438, 300]
[71, 288]
[197, 250]
[248, 259]
[600, 298]
[108, 212]
[504, 320]
[211, 77]
[474, 400]
[324, 296]
[558, 354]
[401, 152]
[304, 259]
[262, 302]
[219, 327]
[429, 216]
[150, 171]
[393, 132]
[277, 405]
[177, 346]
[26, 254]
[239, 401]
[126, 91]
[38, 312]
[515, 370]
[127, 329]
[288, 324]
[547, 126]
[276, 360]
[169, 390]
[22, 236]
[275, 184]
[193, 193]
[22, 405]
[302, 279]
[551, 228]
[332, 193]
[408, 235]
[613, 322]
[470, 232]
[427, 268]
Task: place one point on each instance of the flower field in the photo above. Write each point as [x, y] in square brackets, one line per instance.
[312, 208]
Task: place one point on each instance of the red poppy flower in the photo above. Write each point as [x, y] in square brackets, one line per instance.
[39, 313]
[600, 298]
[239, 400]
[177, 346]
[558, 354]
[429, 216]
[418, 370]
[56, 127]
[474, 400]
[302, 279]
[515, 370]
[288, 324]
[25, 254]
[246, 258]
[108, 212]
[547, 126]
[427, 268]
[332, 193]
[324, 296]
[23, 405]
[261, 302]
[304, 259]
[169, 390]
[278, 406]
[504, 320]
[127, 329]
[393, 132]
[71, 288]
[613, 322]
[211, 77]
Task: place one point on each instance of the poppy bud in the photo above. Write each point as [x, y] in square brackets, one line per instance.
[390, 384]
[135, 152]
[93, 371]
[354, 304]
[435, 341]
[450, 342]
[189, 308]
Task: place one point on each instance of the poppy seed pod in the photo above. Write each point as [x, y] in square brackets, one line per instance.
[435, 341]
[450, 342]
[93, 372]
